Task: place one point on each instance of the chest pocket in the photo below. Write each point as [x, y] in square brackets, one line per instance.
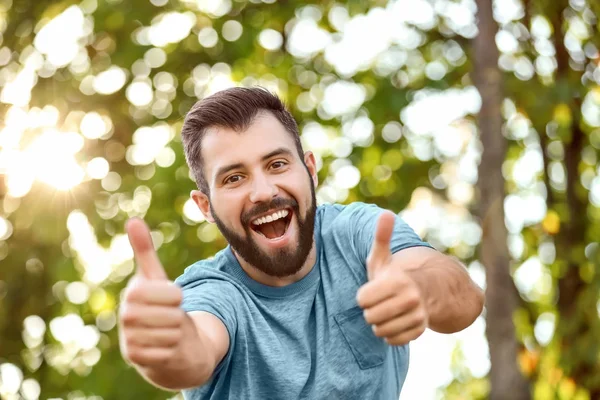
[368, 350]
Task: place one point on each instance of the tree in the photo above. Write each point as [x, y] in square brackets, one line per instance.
[502, 297]
[550, 78]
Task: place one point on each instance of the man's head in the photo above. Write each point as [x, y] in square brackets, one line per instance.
[255, 181]
[236, 109]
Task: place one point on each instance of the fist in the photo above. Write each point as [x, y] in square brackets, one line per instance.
[150, 317]
[392, 301]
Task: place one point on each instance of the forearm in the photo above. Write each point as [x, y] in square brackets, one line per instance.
[453, 300]
[191, 365]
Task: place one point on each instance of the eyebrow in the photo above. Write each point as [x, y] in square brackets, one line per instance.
[279, 151]
[226, 168]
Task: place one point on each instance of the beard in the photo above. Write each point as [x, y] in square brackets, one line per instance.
[282, 262]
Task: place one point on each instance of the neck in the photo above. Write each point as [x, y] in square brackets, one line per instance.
[275, 281]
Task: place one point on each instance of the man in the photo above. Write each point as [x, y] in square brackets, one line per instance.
[307, 301]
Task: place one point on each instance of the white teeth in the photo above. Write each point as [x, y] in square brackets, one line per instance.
[270, 218]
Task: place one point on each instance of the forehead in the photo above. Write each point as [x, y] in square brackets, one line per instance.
[224, 146]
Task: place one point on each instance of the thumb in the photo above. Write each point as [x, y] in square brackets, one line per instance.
[380, 250]
[148, 264]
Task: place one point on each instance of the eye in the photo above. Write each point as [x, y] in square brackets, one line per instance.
[233, 179]
[278, 164]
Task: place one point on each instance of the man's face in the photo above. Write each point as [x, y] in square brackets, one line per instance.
[262, 194]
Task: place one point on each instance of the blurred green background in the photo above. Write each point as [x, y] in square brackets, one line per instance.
[387, 95]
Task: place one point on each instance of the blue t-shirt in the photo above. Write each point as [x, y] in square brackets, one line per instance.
[307, 340]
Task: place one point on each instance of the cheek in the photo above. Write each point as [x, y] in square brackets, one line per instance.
[228, 209]
[301, 193]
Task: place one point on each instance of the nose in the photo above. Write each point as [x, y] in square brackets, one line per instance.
[262, 190]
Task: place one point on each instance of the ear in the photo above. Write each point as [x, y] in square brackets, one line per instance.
[203, 203]
[311, 164]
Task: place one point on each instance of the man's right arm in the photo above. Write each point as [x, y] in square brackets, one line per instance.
[204, 344]
[169, 347]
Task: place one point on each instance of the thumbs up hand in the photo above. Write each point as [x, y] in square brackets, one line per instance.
[391, 299]
[150, 319]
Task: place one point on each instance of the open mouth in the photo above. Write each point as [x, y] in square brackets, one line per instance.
[274, 224]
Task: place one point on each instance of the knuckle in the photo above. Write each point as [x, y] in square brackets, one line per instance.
[413, 298]
[360, 300]
[130, 339]
[131, 283]
[128, 296]
[134, 293]
[134, 354]
[418, 317]
[129, 317]
[177, 294]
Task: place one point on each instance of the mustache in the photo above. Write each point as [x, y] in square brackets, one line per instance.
[262, 208]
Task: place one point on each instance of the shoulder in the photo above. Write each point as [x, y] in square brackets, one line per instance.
[214, 270]
[346, 215]
[207, 286]
[339, 226]
[335, 211]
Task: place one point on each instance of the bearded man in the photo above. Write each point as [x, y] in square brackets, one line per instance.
[307, 301]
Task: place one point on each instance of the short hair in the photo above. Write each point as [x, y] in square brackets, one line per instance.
[234, 108]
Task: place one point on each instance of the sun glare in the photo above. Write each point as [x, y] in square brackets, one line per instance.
[49, 159]
[50, 156]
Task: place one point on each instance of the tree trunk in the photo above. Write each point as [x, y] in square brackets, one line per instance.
[577, 297]
[507, 382]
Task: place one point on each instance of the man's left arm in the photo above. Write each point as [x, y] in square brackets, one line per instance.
[453, 301]
[414, 289]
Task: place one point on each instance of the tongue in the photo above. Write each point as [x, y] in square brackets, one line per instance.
[273, 230]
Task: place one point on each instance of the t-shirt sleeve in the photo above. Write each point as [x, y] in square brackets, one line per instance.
[217, 297]
[363, 222]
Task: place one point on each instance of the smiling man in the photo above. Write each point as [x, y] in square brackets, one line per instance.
[307, 301]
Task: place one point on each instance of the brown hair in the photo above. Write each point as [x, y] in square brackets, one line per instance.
[234, 108]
